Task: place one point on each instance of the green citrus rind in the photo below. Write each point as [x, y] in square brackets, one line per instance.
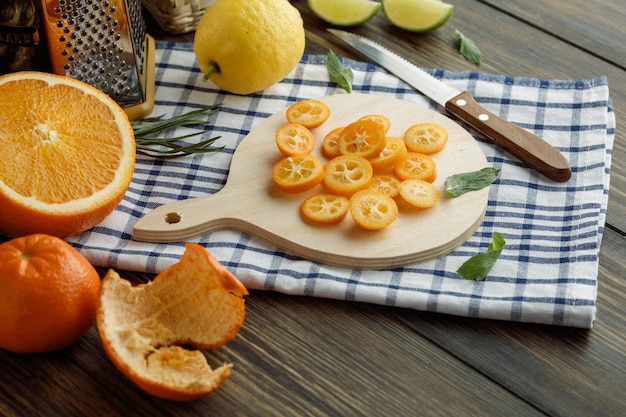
[417, 15]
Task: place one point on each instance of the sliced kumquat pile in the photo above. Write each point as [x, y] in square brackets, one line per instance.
[366, 171]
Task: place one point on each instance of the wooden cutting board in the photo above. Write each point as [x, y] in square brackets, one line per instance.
[250, 202]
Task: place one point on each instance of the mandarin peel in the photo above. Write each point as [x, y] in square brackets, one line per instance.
[146, 329]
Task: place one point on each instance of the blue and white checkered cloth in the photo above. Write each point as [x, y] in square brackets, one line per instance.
[547, 272]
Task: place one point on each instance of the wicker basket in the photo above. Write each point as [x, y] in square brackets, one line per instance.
[177, 16]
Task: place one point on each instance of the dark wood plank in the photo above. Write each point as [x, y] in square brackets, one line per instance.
[294, 357]
[561, 371]
[596, 27]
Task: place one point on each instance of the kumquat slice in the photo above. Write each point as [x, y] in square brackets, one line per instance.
[325, 208]
[418, 166]
[379, 118]
[329, 144]
[426, 138]
[372, 210]
[392, 153]
[308, 113]
[347, 174]
[418, 193]
[294, 139]
[363, 138]
[298, 173]
[387, 184]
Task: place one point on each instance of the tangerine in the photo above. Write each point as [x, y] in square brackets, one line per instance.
[49, 294]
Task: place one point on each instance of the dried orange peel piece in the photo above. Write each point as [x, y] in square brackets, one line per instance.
[144, 329]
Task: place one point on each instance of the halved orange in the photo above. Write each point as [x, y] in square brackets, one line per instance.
[146, 330]
[426, 138]
[372, 210]
[347, 174]
[294, 139]
[418, 166]
[364, 138]
[325, 208]
[308, 113]
[419, 193]
[394, 151]
[67, 152]
[298, 173]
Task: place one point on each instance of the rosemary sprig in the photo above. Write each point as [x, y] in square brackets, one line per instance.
[168, 148]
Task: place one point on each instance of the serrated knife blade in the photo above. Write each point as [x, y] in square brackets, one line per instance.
[531, 150]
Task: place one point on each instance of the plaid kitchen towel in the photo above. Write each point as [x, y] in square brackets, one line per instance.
[547, 272]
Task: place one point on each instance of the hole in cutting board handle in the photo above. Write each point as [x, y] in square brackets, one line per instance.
[172, 218]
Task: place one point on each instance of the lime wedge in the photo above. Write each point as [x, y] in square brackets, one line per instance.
[344, 12]
[417, 15]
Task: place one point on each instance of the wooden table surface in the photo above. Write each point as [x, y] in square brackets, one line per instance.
[299, 356]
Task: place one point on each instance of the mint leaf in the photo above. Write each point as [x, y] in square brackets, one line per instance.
[478, 266]
[338, 72]
[458, 184]
[468, 49]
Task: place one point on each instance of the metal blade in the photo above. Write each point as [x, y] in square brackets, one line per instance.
[400, 67]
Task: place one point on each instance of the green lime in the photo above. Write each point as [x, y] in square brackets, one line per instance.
[417, 15]
[344, 12]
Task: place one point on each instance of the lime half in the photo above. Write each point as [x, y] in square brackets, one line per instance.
[417, 15]
[344, 12]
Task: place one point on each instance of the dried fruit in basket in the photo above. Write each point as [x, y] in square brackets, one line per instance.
[68, 154]
[247, 46]
[146, 330]
[49, 294]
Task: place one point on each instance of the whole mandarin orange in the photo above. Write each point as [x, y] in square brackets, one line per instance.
[49, 294]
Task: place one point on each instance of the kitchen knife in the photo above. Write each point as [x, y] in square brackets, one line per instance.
[533, 151]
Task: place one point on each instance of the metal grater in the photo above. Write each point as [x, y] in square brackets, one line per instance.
[103, 43]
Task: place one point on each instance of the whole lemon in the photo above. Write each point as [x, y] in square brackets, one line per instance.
[245, 46]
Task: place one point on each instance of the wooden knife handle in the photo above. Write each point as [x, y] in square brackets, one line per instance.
[533, 151]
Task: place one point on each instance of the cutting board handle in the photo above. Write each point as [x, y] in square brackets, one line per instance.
[185, 219]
